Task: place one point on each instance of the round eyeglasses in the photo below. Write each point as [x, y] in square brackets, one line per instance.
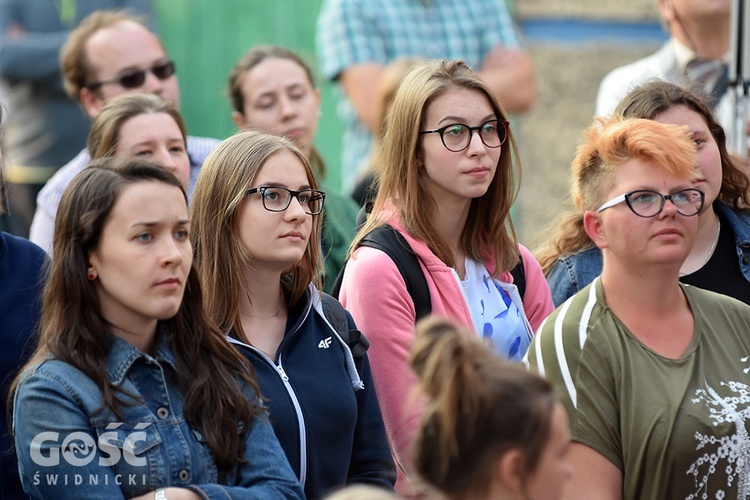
[457, 136]
[277, 199]
[647, 203]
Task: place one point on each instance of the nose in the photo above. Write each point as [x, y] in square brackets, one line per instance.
[669, 209]
[476, 146]
[295, 210]
[172, 254]
[152, 85]
[166, 160]
[288, 109]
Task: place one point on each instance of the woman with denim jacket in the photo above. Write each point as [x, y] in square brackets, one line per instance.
[720, 258]
[132, 391]
[256, 227]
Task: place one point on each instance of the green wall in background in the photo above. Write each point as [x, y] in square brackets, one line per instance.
[206, 37]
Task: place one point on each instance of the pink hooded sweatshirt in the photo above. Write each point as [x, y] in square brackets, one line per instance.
[375, 294]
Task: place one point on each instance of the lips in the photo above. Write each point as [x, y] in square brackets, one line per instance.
[294, 235]
[169, 283]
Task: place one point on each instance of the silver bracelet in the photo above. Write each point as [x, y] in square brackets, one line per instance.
[160, 494]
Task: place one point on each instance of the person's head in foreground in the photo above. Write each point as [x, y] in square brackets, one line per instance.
[490, 428]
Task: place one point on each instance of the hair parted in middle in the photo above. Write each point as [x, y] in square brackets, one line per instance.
[227, 173]
[74, 331]
[105, 130]
[479, 407]
[402, 180]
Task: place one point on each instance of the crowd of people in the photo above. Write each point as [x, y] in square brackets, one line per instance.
[196, 318]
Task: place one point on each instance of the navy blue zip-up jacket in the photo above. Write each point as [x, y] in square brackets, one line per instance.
[325, 414]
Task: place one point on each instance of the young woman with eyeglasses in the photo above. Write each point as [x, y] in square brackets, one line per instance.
[256, 232]
[720, 258]
[447, 183]
[272, 90]
[652, 371]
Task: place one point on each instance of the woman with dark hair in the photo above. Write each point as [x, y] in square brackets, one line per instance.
[720, 258]
[132, 390]
[491, 429]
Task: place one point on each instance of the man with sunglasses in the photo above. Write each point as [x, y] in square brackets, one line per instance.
[109, 54]
[45, 127]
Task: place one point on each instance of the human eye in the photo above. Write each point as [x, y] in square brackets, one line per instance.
[644, 197]
[489, 127]
[182, 234]
[454, 130]
[177, 149]
[265, 103]
[143, 152]
[304, 197]
[271, 194]
[699, 141]
[144, 237]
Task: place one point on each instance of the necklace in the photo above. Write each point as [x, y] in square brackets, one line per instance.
[274, 315]
[711, 252]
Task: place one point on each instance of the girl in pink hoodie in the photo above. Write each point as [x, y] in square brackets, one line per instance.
[447, 183]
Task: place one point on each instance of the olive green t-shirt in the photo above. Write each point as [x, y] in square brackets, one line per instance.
[676, 428]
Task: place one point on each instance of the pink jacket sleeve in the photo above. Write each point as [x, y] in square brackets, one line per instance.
[375, 294]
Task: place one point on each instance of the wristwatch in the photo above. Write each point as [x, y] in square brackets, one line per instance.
[160, 494]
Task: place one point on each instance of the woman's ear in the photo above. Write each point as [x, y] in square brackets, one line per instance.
[239, 120]
[509, 471]
[592, 223]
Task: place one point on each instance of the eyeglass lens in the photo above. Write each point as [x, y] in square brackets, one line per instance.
[135, 79]
[277, 199]
[650, 203]
[457, 137]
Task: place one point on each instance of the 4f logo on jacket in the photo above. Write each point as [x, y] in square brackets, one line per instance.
[325, 343]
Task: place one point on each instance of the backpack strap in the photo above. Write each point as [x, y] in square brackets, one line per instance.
[336, 316]
[519, 277]
[387, 239]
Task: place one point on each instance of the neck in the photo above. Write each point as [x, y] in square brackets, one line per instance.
[646, 292]
[450, 221]
[705, 242]
[142, 337]
[263, 297]
[709, 38]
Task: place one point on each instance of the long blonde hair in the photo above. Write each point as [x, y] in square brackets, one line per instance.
[402, 180]
[229, 170]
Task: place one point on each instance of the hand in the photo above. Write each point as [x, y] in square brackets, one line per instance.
[172, 494]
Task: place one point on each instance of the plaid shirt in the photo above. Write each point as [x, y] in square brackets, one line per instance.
[351, 32]
[43, 225]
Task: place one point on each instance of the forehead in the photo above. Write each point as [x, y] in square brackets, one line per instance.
[646, 173]
[460, 102]
[123, 45]
[282, 167]
[682, 115]
[274, 73]
[148, 200]
[149, 125]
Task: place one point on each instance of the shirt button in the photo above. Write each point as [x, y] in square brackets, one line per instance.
[162, 413]
[184, 475]
[745, 259]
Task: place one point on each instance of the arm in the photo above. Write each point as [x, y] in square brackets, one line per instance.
[537, 301]
[371, 461]
[266, 474]
[594, 477]
[376, 296]
[509, 72]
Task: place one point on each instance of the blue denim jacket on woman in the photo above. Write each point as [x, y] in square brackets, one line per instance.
[573, 272]
[68, 448]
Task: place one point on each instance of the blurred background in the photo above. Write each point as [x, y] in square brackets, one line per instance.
[573, 43]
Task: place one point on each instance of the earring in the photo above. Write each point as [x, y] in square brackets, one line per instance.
[91, 276]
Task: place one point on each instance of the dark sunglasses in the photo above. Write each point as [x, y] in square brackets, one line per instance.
[133, 79]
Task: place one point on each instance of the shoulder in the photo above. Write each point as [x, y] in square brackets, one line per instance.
[56, 376]
[739, 220]
[21, 252]
[572, 272]
[53, 189]
[199, 147]
[716, 307]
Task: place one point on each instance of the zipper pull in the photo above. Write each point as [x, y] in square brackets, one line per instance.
[282, 373]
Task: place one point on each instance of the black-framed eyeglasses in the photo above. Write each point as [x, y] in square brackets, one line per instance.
[134, 78]
[647, 203]
[457, 136]
[277, 199]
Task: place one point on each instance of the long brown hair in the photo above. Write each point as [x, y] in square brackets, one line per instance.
[251, 59]
[73, 330]
[488, 226]
[229, 170]
[479, 407]
[646, 101]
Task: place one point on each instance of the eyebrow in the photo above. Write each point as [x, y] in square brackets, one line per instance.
[282, 185]
[180, 222]
[461, 119]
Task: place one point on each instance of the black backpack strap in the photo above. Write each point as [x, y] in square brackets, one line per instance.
[387, 239]
[336, 316]
[519, 277]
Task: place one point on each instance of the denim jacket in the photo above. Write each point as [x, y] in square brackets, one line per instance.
[68, 448]
[572, 272]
